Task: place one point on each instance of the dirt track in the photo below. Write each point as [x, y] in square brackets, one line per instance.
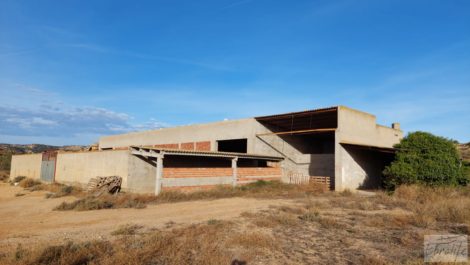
[29, 219]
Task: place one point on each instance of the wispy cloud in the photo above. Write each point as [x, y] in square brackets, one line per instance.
[144, 56]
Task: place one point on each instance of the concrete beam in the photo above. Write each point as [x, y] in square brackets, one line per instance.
[146, 153]
[196, 154]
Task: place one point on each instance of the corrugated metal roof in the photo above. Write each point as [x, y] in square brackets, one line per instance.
[306, 112]
[169, 151]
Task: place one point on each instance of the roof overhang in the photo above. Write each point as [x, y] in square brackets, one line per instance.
[370, 147]
[159, 152]
[325, 118]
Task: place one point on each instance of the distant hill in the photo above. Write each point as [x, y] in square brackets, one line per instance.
[6, 150]
[36, 148]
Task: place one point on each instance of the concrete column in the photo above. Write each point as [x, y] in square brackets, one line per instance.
[234, 171]
[159, 177]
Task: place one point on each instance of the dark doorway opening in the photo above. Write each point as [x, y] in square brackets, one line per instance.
[234, 145]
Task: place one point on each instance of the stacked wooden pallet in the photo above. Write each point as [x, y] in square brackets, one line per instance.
[100, 185]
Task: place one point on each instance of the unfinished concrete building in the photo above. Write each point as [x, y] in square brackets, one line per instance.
[339, 146]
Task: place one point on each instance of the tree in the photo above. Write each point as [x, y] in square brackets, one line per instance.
[423, 158]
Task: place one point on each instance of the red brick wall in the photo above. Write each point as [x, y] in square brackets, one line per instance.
[243, 173]
[170, 146]
[186, 189]
[203, 146]
[187, 146]
[258, 173]
[193, 172]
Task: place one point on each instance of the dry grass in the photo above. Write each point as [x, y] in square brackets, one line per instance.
[257, 241]
[127, 230]
[260, 189]
[4, 176]
[55, 190]
[17, 179]
[197, 244]
[29, 183]
[320, 228]
[389, 228]
[433, 205]
[58, 190]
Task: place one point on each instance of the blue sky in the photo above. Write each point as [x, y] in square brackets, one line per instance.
[71, 71]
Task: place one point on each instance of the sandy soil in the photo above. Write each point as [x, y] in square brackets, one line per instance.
[29, 219]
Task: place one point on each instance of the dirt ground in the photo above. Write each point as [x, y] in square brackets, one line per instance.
[30, 219]
[314, 228]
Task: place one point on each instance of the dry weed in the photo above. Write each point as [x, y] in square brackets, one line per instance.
[259, 189]
[58, 190]
[126, 230]
[252, 240]
[195, 244]
[435, 204]
[29, 183]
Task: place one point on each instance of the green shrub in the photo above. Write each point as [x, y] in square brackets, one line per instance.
[466, 169]
[5, 161]
[423, 158]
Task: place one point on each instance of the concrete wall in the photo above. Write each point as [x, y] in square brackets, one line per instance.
[316, 164]
[80, 167]
[362, 168]
[138, 174]
[26, 165]
[353, 168]
[141, 175]
[225, 130]
[357, 127]
[203, 135]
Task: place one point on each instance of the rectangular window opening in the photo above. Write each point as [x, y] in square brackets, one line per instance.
[233, 145]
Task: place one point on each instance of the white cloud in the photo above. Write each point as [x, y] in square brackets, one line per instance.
[68, 122]
[23, 115]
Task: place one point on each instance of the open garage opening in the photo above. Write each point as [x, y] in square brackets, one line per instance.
[365, 165]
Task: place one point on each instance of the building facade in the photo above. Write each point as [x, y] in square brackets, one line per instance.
[344, 146]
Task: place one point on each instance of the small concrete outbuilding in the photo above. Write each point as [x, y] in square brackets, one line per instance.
[339, 146]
